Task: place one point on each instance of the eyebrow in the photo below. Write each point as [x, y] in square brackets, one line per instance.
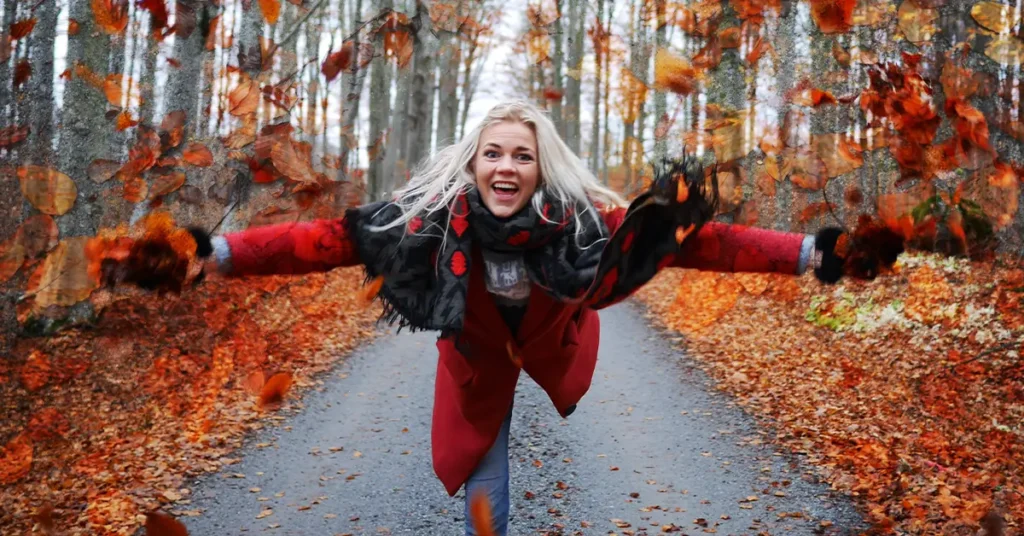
[520, 148]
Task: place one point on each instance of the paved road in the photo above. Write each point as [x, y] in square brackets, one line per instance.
[650, 445]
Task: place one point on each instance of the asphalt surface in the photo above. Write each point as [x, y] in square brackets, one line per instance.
[651, 444]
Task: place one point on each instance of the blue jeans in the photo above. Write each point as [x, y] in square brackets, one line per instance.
[491, 478]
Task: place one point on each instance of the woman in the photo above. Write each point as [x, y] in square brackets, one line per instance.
[507, 245]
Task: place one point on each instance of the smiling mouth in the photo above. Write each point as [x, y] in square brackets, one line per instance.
[505, 190]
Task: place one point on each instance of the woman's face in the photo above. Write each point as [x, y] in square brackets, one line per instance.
[506, 167]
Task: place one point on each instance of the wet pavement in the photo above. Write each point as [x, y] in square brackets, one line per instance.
[651, 445]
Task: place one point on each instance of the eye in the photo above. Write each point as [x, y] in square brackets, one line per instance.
[490, 153]
[525, 157]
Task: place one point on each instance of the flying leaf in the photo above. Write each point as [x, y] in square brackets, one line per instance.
[198, 155]
[840, 54]
[15, 459]
[398, 41]
[38, 234]
[757, 50]
[22, 72]
[674, 74]
[244, 98]
[999, 18]
[275, 389]
[814, 210]
[166, 183]
[157, 14]
[22, 28]
[172, 128]
[338, 61]
[833, 16]
[63, 277]
[552, 94]
[916, 22]
[1006, 50]
[111, 15]
[125, 121]
[538, 45]
[135, 190]
[480, 508]
[159, 524]
[729, 37]
[271, 10]
[49, 190]
[72, 27]
[101, 170]
[253, 383]
[13, 134]
[117, 95]
[12, 256]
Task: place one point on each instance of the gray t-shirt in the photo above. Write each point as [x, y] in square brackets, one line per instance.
[509, 283]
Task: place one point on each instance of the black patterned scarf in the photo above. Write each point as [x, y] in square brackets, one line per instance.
[426, 275]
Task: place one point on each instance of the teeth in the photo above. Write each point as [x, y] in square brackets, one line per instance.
[506, 187]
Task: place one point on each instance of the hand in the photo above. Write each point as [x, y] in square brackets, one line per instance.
[157, 262]
[871, 250]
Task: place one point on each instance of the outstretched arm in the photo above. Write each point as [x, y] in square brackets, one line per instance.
[285, 248]
[723, 247]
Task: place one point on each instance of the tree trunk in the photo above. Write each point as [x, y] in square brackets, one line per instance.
[556, 67]
[660, 104]
[595, 130]
[380, 115]
[448, 98]
[421, 112]
[355, 79]
[571, 111]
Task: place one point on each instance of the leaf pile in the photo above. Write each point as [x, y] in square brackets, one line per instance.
[906, 392]
[112, 420]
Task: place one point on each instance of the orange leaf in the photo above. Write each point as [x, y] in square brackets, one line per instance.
[674, 73]
[275, 389]
[12, 257]
[135, 190]
[158, 524]
[15, 459]
[254, 382]
[271, 10]
[157, 14]
[35, 373]
[111, 15]
[757, 50]
[370, 290]
[125, 121]
[72, 27]
[729, 37]
[198, 155]
[22, 28]
[338, 61]
[814, 210]
[833, 16]
[480, 512]
[840, 54]
[38, 234]
[166, 183]
[245, 98]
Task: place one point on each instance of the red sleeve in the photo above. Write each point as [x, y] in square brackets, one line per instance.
[721, 247]
[289, 248]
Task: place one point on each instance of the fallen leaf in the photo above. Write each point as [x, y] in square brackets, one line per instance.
[49, 190]
[197, 154]
[275, 389]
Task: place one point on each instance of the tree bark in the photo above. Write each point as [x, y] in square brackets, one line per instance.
[380, 116]
[571, 111]
[421, 112]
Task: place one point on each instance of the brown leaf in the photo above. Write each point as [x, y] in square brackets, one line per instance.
[159, 524]
[22, 72]
[12, 257]
[13, 134]
[72, 27]
[997, 17]
[101, 170]
[338, 61]
[814, 210]
[38, 234]
[916, 22]
[22, 28]
[125, 121]
[49, 190]
[244, 98]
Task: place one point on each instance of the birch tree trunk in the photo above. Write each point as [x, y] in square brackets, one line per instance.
[356, 77]
[448, 82]
[595, 131]
[556, 67]
[660, 104]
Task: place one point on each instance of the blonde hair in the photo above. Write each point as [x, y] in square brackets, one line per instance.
[563, 177]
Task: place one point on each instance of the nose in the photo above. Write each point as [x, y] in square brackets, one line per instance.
[505, 166]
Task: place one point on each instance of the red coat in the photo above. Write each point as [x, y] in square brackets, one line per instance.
[557, 344]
